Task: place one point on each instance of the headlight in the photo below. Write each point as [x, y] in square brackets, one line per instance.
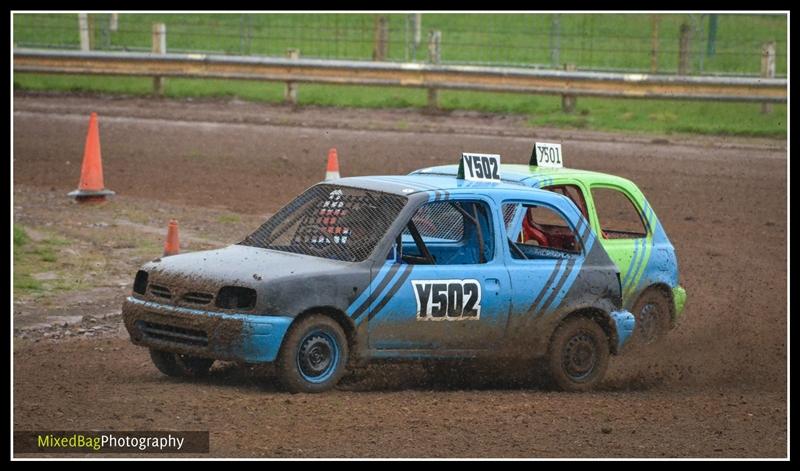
[140, 283]
[236, 297]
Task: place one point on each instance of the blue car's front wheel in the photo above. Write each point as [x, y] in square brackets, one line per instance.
[313, 356]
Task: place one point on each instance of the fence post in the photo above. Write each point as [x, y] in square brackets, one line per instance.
[113, 24]
[90, 20]
[568, 102]
[159, 47]
[381, 48]
[83, 29]
[290, 92]
[434, 57]
[713, 24]
[417, 27]
[683, 49]
[555, 40]
[767, 68]
[654, 45]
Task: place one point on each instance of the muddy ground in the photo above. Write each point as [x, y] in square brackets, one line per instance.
[717, 389]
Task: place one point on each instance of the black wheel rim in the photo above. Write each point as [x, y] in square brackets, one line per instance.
[317, 356]
[648, 322]
[580, 356]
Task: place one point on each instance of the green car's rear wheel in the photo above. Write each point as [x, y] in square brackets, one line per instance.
[652, 318]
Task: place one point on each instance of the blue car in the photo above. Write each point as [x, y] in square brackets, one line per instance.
[422, 267]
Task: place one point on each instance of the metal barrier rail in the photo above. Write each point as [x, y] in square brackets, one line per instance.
[430, 76]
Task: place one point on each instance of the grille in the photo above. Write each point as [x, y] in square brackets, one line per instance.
[330, 221]
[174, 334]
[160, 291]
[198, 298]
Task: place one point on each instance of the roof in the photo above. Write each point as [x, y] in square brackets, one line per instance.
[410, 184]
[525, 174]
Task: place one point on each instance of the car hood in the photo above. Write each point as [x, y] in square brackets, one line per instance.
[237, 265]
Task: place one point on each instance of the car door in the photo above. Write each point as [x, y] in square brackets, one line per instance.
[622, 232]
[449, 289]
[542, 269]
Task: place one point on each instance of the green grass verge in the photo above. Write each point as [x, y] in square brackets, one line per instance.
[32, 257]
[627, 115]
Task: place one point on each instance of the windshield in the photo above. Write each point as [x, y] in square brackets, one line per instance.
[330, 221]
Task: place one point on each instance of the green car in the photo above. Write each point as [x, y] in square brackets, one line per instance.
[626, 226]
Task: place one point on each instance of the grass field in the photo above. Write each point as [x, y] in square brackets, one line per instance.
[650, 116]
[587, 40]
[590, 41]
[46, 264]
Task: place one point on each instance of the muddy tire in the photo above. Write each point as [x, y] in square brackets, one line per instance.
[652, 311]
[180, 366]
[578, 355]
[313, 356]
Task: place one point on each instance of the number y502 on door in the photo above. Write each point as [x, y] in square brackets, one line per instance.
[447, 300]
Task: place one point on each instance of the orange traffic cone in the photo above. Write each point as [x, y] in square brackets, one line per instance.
[90, 188]
[171, 246]
[332, 172]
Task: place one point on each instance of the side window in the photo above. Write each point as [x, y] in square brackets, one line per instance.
[448, 233]
[617, 215]
[544, 233]
[440, 221]
[573, 193]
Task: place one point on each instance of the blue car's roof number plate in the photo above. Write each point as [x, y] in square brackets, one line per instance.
[479, 167]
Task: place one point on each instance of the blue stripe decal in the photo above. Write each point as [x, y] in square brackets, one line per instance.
[561, 268]
[631, 265]
[574, 269]
[399, 284]
[377, 285]
[365, 294]
[639, 265]
[546, 307]
[540, 295]
[386, 287]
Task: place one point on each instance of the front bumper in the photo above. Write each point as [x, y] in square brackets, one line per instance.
[625, 323]
[221, 336]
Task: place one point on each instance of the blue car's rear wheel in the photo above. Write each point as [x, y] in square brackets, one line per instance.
[578, 354]
[313, 356]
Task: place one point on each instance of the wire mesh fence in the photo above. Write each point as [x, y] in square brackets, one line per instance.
[654, 43]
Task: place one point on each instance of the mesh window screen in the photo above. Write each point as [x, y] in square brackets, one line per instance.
[509, 211]
[330, 221]
[438, 220]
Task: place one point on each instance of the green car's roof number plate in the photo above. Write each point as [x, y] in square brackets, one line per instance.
[479, 167]
[546, 155]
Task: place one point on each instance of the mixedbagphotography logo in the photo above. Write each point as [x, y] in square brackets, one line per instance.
[111, 442]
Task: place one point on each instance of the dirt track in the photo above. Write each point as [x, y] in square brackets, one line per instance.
[717, 389]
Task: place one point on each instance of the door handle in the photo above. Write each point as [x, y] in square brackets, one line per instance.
[492, 284]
